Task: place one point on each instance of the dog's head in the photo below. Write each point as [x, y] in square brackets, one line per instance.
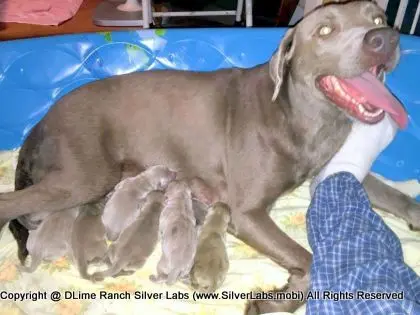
[341, 52]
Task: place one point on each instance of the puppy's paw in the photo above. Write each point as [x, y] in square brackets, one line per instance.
[157, 278]
[96, 261]
[25, 269]
[97, 277]
[124, 273]
[185, 280]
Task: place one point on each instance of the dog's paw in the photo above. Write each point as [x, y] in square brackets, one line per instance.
[251, 308]
[271, 305]
[414, 218]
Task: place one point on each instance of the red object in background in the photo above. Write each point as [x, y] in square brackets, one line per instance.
[39, 12]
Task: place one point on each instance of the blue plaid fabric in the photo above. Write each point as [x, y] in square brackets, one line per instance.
[355, 254]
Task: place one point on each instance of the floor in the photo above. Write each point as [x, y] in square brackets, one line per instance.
[80, 23]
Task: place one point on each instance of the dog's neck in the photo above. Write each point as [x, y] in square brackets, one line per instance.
[318, 129]
[326, 127]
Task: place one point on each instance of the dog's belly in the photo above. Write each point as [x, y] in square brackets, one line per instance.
[190, 163]
[193, 148]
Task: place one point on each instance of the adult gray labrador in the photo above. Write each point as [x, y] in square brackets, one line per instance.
[251, 135]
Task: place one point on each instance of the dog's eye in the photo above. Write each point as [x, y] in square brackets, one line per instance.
[325, 30]
[378, 20]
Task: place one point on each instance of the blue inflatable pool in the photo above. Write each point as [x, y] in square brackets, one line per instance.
[34, 73]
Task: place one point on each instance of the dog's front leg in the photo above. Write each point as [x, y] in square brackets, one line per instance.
[389, 199]
[258, 230]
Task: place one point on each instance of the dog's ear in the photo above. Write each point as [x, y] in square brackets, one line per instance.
[280, 60]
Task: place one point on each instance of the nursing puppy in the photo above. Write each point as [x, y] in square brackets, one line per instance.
[137, 242]
[88, 240]
[127, 199]
[51, 239]
[178, 231]
[211, 261]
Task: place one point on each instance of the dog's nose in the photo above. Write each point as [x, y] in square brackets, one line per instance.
[381, 41]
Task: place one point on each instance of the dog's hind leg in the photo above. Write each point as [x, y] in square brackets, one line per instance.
[58, 190]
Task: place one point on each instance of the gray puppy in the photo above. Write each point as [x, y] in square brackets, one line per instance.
[127, 199]
[88, 240]
[178, 231]
[211, 261]
[51, 239]
[137, 242]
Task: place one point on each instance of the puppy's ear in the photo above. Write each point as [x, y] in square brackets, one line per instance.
[280, 60]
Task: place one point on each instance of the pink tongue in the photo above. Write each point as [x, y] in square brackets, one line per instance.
[377, 95]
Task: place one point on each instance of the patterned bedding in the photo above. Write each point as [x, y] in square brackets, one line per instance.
[136, 294]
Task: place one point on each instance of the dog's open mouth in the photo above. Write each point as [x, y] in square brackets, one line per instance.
[364, 97]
